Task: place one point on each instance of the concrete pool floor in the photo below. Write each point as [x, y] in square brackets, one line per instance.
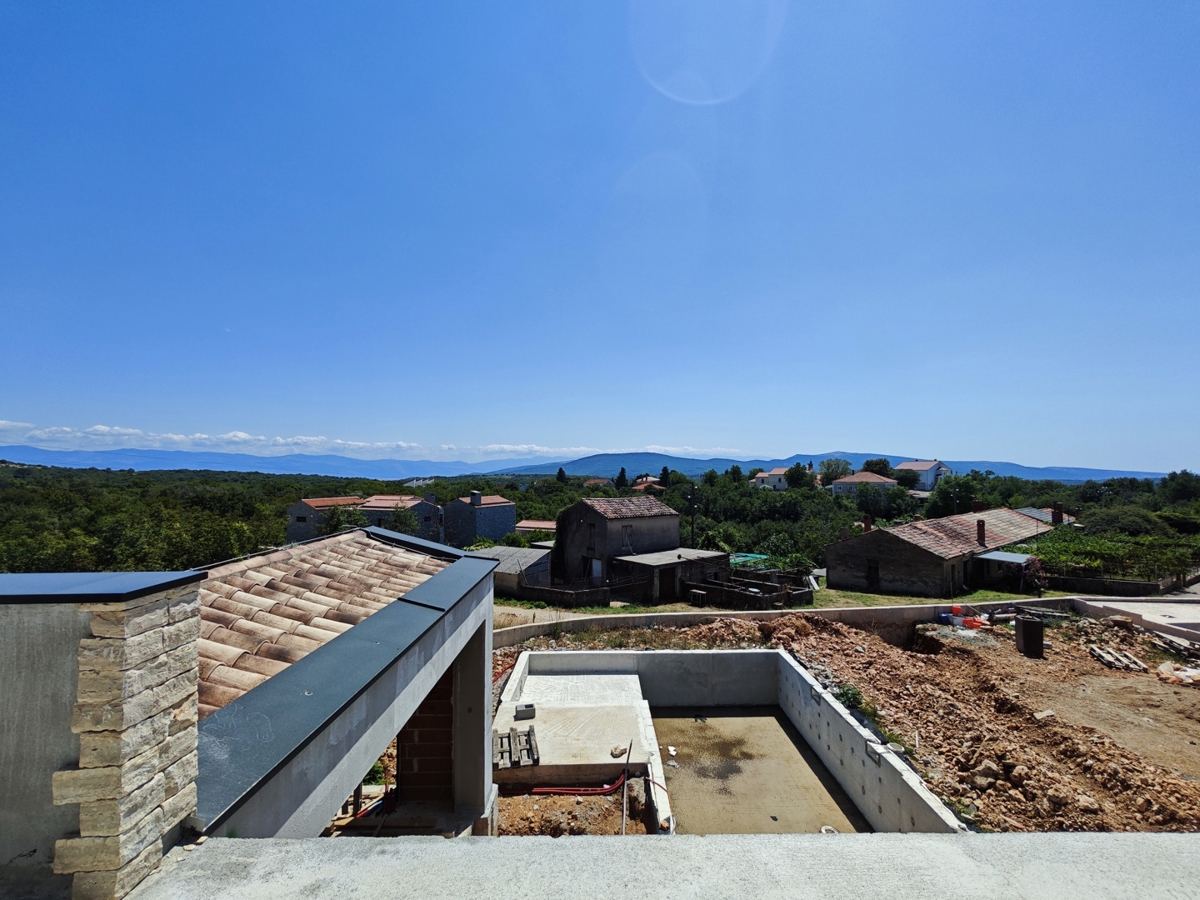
[746, 770]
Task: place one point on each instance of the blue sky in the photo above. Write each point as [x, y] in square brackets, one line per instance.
[479, 230]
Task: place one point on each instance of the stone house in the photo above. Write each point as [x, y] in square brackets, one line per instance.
[597, 529]
[478, 516]
[378, 510]
[304, 516]
[929, 558]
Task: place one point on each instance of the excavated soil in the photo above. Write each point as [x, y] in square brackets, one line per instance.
[1012, 744]
[526, 815]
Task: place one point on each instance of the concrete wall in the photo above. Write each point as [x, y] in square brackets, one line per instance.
[39, 674]
[904, 568]
[466, 523]
[302, 797]
[886, 790]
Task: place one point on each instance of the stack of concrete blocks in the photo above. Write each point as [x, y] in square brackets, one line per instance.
[136, 716]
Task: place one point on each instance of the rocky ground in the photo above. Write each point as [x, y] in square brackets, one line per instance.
[1010, 743]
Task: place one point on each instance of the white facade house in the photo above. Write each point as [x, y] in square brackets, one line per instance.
[931, 472]
[775, 479]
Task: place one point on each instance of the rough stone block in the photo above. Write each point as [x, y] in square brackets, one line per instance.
[109, 654]
[185, 714]
[118, 883]
[169, 595]
[119, 714]
[103, 782]
[95, 854]
[112, 748]
[181, 774]
[187, 607]
[176, 747]
[179, 807]
[182, 632]
[124, 623]
[125, 683]
[101, 818]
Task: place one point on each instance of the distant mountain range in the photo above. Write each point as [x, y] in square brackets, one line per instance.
[291, 464]
[601, 464]
[608, 464]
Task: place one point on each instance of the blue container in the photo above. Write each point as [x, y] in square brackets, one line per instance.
[945, 619]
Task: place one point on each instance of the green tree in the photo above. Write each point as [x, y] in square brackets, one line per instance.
[710, 478]
[664, 477]
[402, 520]
[881, 467]
[339, 518]
[906, 478]
[622, 480]
[833, 469]
[799, 476]
[561, 477]
[734, 473]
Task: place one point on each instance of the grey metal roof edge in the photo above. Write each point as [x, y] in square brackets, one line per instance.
[312, 692]
[58, 589]
[432, 548]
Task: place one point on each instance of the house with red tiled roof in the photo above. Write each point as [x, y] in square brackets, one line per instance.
[597, 529]
[479, 515]
[772, 479]
[851, 483]
[305, 516]
[927, 558]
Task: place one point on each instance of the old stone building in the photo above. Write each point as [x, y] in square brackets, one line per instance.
[597, 529]
[304, 516]
[931, 558]
[478, 516]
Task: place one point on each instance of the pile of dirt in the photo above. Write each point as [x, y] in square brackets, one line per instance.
[554, 815]
[980, 723]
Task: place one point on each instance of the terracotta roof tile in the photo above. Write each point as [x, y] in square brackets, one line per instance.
[628, 507]
[953, 536]
[327, 502]
[865, 478]
[919, 465]
[260, 615]
[488, 500]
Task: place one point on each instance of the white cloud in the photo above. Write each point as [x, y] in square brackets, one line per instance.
[109, 437]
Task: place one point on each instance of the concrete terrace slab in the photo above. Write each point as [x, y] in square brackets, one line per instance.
[584, 690]
[797, 867]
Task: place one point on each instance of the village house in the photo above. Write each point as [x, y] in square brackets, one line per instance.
[378, 511]
[931, 471]
[468, 519]
[304, 516]
[775, 479]
[597, 529]
[851, 483]
[929, 558]
[528, 526]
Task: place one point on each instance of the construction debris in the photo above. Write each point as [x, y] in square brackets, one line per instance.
[1118, 659]
[1174, 673]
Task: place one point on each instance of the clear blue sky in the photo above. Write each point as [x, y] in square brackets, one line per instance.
[758, 227]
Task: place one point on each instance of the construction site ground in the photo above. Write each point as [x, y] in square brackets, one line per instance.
[553, 815]
[1010, 743]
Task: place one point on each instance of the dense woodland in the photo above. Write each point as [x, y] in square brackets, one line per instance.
[88, 519]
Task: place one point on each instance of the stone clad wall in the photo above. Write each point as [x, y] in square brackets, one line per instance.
[135, 714]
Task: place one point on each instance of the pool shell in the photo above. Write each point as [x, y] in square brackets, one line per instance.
[890, 796]
[747, 770]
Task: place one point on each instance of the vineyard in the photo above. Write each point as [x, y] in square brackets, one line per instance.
[1069, 552]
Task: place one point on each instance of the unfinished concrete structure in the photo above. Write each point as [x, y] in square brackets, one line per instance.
[250, 707]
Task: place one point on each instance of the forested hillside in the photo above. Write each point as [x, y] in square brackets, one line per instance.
[54, 519]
